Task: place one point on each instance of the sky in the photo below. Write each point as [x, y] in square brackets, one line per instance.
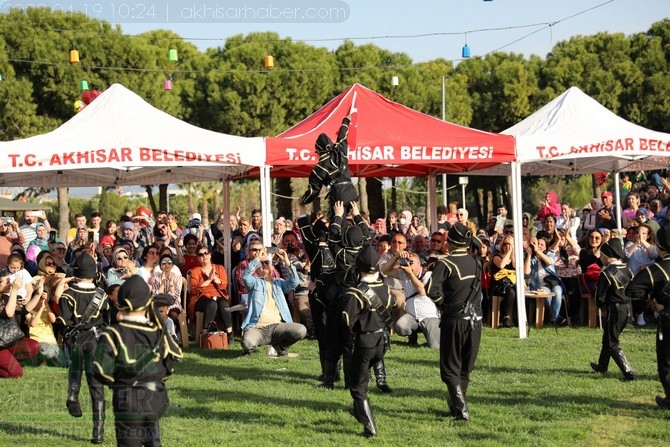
[446, 24]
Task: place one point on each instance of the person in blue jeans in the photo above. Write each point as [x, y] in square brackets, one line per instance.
[543, 276]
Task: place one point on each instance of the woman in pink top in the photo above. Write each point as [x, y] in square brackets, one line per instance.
[549, 205]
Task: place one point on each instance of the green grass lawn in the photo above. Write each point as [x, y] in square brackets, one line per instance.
[534, 392]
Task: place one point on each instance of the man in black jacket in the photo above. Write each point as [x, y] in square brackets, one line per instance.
[81, 336]
[367, 314]
[650, 283]
[455, 284]
[610, 293]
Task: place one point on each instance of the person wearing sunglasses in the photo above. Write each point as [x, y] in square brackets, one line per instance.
[122, 267]
[268, 320]
[167, 280]
[209, 293]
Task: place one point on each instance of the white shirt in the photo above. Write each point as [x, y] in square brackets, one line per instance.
[418, 306]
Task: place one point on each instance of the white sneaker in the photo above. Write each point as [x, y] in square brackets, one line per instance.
[272, 352]
[640, 320]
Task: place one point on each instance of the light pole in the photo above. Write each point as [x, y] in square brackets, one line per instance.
[444, 118]
[463, 181]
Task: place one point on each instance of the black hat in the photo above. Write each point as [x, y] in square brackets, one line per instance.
[134, 294]
[663, 237]
[323, 143]
[613, 249]
[84, 266]
[459, 236]
[366, 260]
[352, 237]
[163, 299]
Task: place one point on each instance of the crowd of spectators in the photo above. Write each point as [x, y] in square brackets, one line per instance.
[561, 253]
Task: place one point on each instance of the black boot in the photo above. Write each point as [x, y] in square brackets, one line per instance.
[458, 408]
[363, 413]
[621, 361]
[98, 422]
[380, 374]
[329, 373]
[73, 386]
[603, 362]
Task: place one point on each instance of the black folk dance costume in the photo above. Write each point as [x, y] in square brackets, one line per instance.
[652, 283]
[455, 284]
[367, 314]
[332, 170]
[322, 271]
[135, 357]
[83, 324]
[610, 294]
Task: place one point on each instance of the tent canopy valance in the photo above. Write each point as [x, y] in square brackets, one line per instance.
[120, 139]
[386, 139]
[575, 134]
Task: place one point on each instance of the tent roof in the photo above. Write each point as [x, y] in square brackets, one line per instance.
[386, 139]
[121, 139]
[13, 205]
[574, 133]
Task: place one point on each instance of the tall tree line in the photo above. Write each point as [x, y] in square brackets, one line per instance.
[227, 89]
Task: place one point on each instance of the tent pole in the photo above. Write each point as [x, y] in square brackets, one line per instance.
[225, 191]
[518, 249]
[431, 209]
[444, 118]
[265, 204]
[617, 197]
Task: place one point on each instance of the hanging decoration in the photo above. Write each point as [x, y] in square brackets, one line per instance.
[167, 85]
[172, 55]
[79, 105]
[89, 95]
[74, 56]
[83, 85]
[0, 76]
[394, 81]
[269, 62]
[465, 52]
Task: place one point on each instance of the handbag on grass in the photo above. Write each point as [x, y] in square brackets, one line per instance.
[214, 340]
[10, 332]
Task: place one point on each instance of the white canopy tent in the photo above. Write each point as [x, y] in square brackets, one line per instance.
[120, 139]
[575, 134]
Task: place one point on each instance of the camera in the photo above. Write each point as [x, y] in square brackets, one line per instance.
[52, 235]
[404, 262]
[91, 236]
[272, 250]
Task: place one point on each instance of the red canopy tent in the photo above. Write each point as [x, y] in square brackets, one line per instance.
[386, 139]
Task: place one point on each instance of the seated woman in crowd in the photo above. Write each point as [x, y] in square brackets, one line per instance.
[503, 272]
[109, 236]
[26, 348]
[630, 213]
[543, 276]
[123, 267]
[589, 260]
[167, 279]
[640, 253]
[209, 285]
[566, 262]
[149, 262]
